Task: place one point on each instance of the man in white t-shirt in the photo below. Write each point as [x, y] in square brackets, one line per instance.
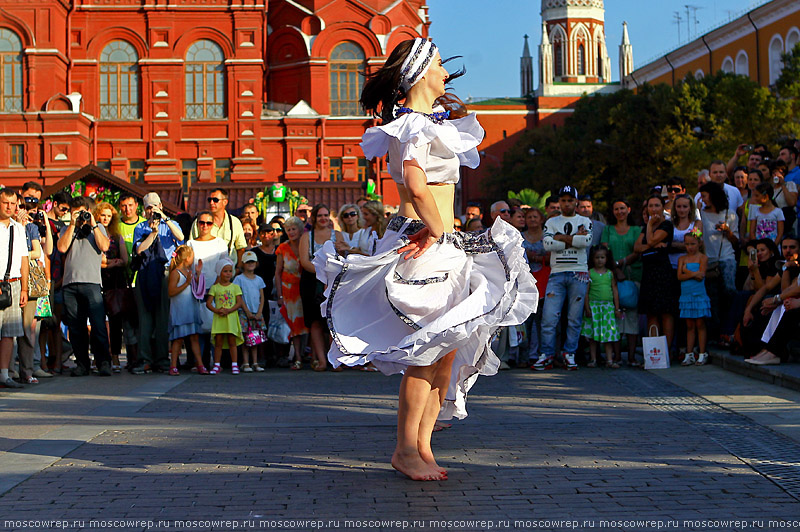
[16, 272]
[718, 173]
[566, 237]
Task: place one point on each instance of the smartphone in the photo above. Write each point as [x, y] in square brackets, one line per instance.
[749, 147]
[752, 254]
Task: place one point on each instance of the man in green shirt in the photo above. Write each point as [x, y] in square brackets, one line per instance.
[128, 220]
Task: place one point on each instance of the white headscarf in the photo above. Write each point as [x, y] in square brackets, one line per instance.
[417, 62]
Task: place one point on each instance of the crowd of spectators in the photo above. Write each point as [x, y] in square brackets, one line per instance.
[101, 288]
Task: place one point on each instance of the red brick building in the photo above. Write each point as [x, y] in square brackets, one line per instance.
[168, 92]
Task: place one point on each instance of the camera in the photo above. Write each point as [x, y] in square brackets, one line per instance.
[156, 216]
[38, 217]
[84, 216]
[776, 180]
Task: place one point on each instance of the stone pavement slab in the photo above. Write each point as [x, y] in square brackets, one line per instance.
[538, 451]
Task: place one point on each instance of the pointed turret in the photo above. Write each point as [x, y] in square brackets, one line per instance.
[625, 55]
[545, 61]
[526, 70]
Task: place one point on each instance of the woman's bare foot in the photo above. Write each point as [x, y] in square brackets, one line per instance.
[414, 467]
[426, 453]
[761, 354]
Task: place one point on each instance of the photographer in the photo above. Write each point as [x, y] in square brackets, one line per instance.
[83, 243]
[40, 245]
[151, 284]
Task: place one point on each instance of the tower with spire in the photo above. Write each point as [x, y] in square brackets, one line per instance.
[573, 57]
[526, 70]
[625, 56]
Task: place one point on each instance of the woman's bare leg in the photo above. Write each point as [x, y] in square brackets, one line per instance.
[441, 381]
[415, 391]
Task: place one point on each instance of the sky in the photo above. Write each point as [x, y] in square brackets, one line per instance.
[489, 35]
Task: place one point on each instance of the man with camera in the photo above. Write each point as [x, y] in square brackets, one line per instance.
[83, 243]
[40, 245]
[13, 282]
[155, 240]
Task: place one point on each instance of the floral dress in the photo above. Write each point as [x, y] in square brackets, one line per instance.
[225, 297]
[292, 309]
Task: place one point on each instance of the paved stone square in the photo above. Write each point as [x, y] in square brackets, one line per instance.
[281, 449]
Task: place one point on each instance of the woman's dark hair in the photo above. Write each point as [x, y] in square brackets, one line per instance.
[315, 211]
[382, 89]
[758, 172]
[778, 164]
[610, 264]
[716, 195]
[611, 216]
[204, 213]
[659, 197]
[770, 245]
[277, 219]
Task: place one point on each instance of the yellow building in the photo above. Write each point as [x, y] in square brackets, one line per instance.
[750, 45]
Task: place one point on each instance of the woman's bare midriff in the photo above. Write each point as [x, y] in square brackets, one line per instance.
[443, 195]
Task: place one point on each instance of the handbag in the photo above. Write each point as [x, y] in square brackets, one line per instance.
[278, 330]
[5, 285]
[255, 334]
[117, 301]
[656, 351]
[37, 280]
[628, 294]
[43, 309]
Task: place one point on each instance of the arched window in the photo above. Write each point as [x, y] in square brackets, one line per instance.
[792, 38]
[699, 74]
[205, 81]
[10, 72]
[742, 64]
[600, 62]
[119, 82]
[775, 62]
[727, 65]
[581, 61]
[346, 64]
[558, 57]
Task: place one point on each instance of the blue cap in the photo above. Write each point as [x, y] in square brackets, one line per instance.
[568, 190]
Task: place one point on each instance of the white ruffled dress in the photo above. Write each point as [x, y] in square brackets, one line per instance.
[397, 313]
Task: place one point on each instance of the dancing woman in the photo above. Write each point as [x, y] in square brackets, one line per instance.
[428, 301]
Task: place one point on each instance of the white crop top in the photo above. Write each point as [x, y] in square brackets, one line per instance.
[438, 148]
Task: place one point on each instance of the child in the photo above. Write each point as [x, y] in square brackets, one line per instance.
[224, 299]
[184, 314]
[601, 307]
[251, 313]
[694, 303]
[769, 219]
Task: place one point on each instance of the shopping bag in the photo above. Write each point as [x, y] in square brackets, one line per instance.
[278, 330]
[656, 352]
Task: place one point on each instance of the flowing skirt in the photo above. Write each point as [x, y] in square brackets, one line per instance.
[397, 313]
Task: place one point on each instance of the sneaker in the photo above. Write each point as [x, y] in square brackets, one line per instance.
[142, 369]
[688, 359]
[702, 359]
[42, 374]
[257, 368]
[544, 362]
[104, 370]
[11, 383]
[79, 371]
[247, 369]
[569, 359]
[32, 380]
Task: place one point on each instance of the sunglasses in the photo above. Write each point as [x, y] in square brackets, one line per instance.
[674, 189]
[278, 229]
[270, 230]
[503, 211]
[199, 222]
[349, 214]
[213, 200]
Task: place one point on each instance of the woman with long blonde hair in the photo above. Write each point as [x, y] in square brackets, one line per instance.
[114, 276]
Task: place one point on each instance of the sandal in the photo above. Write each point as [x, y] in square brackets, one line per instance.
[613, 365]
[235, 369]
[201, 370]
[216, 370]
[591, 364]
[296, 365]
[173, 371]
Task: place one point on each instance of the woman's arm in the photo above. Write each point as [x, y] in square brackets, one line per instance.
[780, 230]
[303, 254]
[640, 246]
[36, 250]
[615, 291]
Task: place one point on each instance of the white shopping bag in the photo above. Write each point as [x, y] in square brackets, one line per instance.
[656, 352]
